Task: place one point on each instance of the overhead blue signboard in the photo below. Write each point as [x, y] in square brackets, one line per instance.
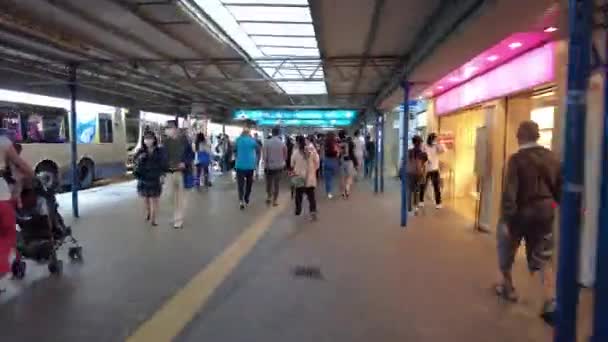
[304, 123]
[294, 117]
[416, 106]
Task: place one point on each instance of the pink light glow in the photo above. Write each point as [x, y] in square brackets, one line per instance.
[515, 45]
[526, 71]
[485, 61]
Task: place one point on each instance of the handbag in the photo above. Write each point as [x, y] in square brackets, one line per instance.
[297, 181]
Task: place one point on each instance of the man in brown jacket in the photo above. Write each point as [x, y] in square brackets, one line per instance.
[531, 190]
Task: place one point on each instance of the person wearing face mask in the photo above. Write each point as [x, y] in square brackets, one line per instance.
[149, 170]
[179, 162]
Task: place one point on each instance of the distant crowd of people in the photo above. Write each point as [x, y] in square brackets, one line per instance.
[305, 160]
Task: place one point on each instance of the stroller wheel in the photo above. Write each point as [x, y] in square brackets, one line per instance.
[75, 253]
[56, 267]
[18, 269]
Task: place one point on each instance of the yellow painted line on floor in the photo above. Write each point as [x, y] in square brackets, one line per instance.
[177, 312]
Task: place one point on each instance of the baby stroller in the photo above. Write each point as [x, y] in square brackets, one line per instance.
[42, 230]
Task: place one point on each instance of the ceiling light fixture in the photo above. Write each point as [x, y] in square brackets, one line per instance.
[492, 58]
[515, 45]
[453, 79]
[440, 87]
[550, 29]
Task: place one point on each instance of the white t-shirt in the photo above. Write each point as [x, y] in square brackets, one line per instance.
[359, 146]
[5, 191]
[433, 152]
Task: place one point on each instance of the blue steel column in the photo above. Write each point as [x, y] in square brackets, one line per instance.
[404, 129]
[377, 154]
[600, 328]
[579, 59]
[381, 116]
[73, 140]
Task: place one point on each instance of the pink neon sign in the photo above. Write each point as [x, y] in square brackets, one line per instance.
[526, 71]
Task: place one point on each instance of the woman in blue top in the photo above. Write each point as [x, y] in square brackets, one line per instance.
[245, 165]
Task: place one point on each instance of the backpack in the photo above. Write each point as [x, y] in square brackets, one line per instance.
[416, 163]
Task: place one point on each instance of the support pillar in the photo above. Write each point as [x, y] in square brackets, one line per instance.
[600, 306]
[579, 59]
[381, 122]
[403, 162]
[377, 156]
[73, 141]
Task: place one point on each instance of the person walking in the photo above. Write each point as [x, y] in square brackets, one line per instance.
[432, 149]
[416, 163]
[305, 162]
[179, 156]
[246, 148]
[203, 160]
[258, 154]
[531, 190]
[8, 222]
[359, 143]
[348, 163]
[275, 156]
[289, 144]
[330, 162]
[370, 154]
[150, 166]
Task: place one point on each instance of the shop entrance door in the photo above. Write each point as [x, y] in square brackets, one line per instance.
[460, 160]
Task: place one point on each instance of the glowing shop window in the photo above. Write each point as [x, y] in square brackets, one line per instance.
[543, 116]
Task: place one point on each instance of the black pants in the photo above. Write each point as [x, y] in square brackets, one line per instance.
[434, 176]
[204, 170]
[413, 188]
[244, 180]
[312, 201]
[273, 181]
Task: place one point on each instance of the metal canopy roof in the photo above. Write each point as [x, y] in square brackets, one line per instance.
[164, 55]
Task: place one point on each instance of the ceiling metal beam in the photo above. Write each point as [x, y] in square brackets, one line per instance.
[446, 20]
[370, 39]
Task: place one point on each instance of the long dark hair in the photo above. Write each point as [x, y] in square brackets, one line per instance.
[301, 143]
[431, 138]
[200, 138]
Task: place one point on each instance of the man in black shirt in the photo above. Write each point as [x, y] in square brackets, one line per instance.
[370, 154]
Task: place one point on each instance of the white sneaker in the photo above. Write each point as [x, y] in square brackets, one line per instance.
[421, 205]
[438, 206]
[330, 196]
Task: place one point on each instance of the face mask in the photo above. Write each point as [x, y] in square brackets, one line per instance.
[149, 142]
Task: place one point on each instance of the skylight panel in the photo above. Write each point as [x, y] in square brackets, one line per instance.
[268, 2]
[303, 87]
[279, 29]
[277, 34]
[289, 51]
[285, 41]
[267, 14]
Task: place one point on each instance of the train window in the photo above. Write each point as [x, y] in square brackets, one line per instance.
[105, 128]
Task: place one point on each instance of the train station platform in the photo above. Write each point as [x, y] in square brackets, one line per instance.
[264, 275]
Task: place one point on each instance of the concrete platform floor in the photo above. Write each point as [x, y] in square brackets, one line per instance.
[430, 282]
